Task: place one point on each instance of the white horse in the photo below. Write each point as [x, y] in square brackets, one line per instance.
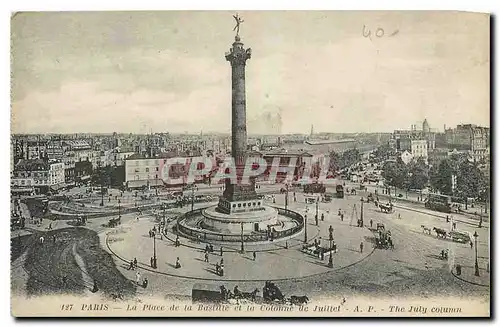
[41, 239]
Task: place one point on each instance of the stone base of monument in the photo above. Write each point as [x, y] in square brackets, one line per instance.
[265, 225]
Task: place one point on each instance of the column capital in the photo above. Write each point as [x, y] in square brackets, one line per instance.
[238, 54]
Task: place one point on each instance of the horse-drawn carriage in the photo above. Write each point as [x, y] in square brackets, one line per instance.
[272, 293]
[460, 237]
[327, 198]
[310, 199]
[386, 208]
[80, 221]
[216, 294]
[383, 239]
[318, 251]
[114, 222]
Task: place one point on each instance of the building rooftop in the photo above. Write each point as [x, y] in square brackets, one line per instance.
[32, 165]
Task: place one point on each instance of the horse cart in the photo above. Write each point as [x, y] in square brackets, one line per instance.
[386, 208]
[114, 222]
[327, 198]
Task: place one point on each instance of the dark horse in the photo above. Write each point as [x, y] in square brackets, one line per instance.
[440, 232]
[299, 299]
[249, 295]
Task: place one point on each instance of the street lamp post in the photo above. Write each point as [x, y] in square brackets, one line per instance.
[101, 181]
[305, 228]
[317, 210]
[330, 260]
[242, 243]
[361, 215]
[286, 197]
[476, 266]
[153, 263]
[192, 197]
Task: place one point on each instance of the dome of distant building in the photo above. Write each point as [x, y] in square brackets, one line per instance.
[425, 126]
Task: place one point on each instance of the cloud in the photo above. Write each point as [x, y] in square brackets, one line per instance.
[167, 72]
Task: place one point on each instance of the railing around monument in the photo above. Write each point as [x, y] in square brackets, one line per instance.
[255, 237]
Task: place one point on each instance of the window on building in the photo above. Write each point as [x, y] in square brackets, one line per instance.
[147, 169]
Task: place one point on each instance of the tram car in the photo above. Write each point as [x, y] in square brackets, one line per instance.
[460, 237]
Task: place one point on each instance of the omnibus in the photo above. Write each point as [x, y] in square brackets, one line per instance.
[438, 202]
[340, 191]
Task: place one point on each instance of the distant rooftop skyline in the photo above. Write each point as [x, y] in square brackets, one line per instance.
[165, 71]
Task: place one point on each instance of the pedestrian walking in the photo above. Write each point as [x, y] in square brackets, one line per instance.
[254, 255]
[342, 217]
[206, 257]
[217, 268]
[138, 277]
[221, 251]
[322, 217]
[471, 244]
[177, 263]
[371, 223]
[135, 262]
[361, 247]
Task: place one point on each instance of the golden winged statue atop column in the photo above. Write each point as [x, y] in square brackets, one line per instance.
[239, 20]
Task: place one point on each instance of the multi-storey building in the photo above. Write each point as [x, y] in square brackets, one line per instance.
[401, 139]
[419, 149]
[141, 171]
[473, 138]
[39, 174]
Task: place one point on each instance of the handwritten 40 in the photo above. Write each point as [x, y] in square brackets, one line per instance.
[378, 33]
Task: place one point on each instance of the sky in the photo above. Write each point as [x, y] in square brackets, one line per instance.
[165, 71]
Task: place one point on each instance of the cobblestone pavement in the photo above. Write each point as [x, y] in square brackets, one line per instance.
[413, 268]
